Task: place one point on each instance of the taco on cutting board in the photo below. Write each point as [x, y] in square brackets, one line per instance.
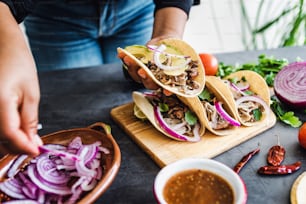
[217, 107]
[251, 95]
[171, 115]
[172, 64]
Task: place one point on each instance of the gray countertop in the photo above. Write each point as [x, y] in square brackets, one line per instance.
[80, 97]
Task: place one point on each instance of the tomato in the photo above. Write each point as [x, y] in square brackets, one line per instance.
[302, 135]
[210, 63]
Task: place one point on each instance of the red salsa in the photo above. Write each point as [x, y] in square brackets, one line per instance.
[198, 186]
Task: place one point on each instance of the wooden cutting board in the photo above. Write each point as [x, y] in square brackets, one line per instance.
[164, 150]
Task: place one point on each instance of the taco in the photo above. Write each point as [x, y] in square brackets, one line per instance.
[251, 95]
[171, 115]
[172, 64]
[218, 107]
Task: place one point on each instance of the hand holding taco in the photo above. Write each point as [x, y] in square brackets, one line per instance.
[172, 64]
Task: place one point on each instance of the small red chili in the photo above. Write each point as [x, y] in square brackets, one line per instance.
[276, 155]
[244, 160]
[280, 170]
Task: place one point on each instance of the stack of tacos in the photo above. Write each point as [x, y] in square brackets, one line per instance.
[218, 105]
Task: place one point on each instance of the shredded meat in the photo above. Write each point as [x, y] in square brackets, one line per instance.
[246, 111]
[216, 121]
[184, 81]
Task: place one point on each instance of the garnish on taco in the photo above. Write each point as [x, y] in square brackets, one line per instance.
[217, 107]
[251, 95]
[172, 115]
[172, 64]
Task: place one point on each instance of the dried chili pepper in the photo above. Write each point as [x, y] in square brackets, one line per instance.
[280, 170]
[276, 155]
[244, 160]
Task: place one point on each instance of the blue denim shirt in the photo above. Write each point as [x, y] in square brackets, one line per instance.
[21, 8]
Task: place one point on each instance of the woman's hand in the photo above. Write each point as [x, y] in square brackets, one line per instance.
[168, 23]
[19, 92]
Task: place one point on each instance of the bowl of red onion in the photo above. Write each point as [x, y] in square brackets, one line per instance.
[74, 166]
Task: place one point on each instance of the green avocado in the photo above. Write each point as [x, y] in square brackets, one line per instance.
[141, 52]
[145, 55]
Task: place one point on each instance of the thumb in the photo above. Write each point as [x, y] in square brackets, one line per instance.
[29, 120]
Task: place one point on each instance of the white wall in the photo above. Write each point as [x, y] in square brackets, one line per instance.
[215, 25]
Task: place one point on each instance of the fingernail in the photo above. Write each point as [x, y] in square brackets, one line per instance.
[38, 140]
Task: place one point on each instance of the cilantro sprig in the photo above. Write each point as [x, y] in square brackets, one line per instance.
[287, 117]
[267, 67]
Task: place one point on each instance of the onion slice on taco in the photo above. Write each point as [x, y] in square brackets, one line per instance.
[217, 107]
[172, 64]
[171, 115]
[251, 95]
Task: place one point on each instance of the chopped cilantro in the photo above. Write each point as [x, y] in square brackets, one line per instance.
[257, 114]
[190, 118]
[205, 95]
[163, 107]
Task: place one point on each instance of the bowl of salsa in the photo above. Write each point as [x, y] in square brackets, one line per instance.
[199, 180]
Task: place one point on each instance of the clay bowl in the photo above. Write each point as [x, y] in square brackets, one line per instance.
[95, 132]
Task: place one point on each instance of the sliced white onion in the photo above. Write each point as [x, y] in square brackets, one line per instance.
[156, 58]
[154, 48]
[225, 115]
[256, 99]
[174, 134]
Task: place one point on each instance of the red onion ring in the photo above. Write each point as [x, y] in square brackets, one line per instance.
[172, 133]
[290, 85]
[13, 170]
[225, 115]
[257, 100]
[240, 90]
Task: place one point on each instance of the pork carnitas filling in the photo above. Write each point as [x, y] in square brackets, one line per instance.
[216, 121]
[173, 112]
[185, 81]
[246, 110]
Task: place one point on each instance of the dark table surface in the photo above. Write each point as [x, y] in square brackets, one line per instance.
[80, 97]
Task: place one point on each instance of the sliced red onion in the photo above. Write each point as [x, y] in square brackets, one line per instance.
[225, 115]
[80, 165]
[76, 143]
[21, 202]
[290, 85]
[156, 58]
[48, 171]
[58, 153]
[12, 188]
[46, 186]
[14, 169]
[29, 188]
[256, 99]
[234, 86]
[172, 133]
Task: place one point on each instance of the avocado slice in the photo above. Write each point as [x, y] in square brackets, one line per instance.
[145, 55]
[141, 52]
